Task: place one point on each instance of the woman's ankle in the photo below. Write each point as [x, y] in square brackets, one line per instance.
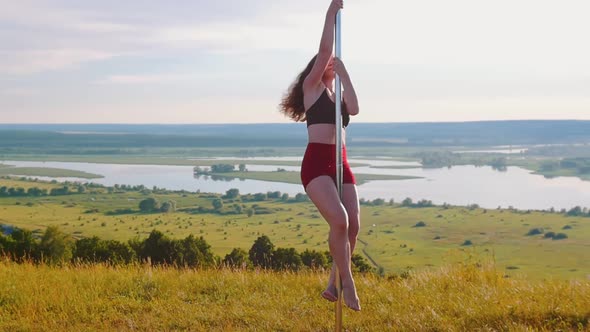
[348, 282]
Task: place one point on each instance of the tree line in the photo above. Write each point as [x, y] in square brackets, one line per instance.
[438, 159]
[219, 168]
[56, 247]
[578, 165]
[37, 192]
[70, 188]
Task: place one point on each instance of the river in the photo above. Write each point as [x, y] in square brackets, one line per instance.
[458, 185]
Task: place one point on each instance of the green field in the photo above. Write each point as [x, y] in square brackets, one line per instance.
[47, 171]
[11, 182]
[388, 236]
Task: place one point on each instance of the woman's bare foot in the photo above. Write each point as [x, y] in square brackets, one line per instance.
[330, 293]
[351, 299]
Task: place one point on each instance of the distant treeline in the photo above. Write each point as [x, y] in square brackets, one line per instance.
[68, 188]
[436, 159]
[219, 168]
[36, 192]
[56, 247]
[561, 150]
[578, 165]
[115, 139]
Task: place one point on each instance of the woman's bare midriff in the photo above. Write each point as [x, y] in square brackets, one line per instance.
[323, 133]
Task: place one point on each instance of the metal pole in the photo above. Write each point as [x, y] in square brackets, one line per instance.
[338, 115]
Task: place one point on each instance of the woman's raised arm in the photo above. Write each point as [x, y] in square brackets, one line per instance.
[326, 43]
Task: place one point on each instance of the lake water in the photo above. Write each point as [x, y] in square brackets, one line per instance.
[459, 185]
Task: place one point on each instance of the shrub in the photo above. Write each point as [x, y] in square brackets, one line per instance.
[360, 264]
[535, 231]
[149, 205]
[55, 245]
[314, 259]
[238, 258]
[169, 206]
[217, 204]
[261, 252]
[286, 259]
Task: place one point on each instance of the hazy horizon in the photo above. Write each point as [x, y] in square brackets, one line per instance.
[263, 123]
[203, 62]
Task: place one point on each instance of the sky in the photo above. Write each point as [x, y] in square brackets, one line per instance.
[206, 61]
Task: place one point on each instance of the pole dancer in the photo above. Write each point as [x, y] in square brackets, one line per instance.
[313, 98]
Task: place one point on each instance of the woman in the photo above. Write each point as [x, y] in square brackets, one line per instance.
[311, 98]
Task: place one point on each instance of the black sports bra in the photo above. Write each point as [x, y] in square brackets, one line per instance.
[324, 110]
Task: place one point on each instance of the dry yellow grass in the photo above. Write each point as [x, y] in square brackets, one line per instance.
[462, 297]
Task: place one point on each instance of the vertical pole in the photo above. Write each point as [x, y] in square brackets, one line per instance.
[338, 89]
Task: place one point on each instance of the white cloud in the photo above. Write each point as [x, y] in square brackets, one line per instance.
[33, 61]
[228, 37]
[42, 38]
[539, 34]
[53, 17]
[18, 92]
[144, 79]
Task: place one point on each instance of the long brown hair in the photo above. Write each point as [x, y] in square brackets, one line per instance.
[292, 103]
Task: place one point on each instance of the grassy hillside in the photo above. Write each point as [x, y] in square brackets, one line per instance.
[471, 296]
[390, 237]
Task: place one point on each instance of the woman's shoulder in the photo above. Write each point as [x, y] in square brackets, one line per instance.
[312, 95]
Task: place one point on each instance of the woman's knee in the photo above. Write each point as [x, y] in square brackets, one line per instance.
[353, 224]
[338, 220]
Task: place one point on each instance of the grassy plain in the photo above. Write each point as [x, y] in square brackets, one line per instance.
[47, 171]
[389, 237]
[11, 182]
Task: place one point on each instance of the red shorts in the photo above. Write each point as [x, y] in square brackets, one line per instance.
[320, 159]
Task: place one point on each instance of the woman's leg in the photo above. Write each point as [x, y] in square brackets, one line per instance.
[351, 205]
[324, 195]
